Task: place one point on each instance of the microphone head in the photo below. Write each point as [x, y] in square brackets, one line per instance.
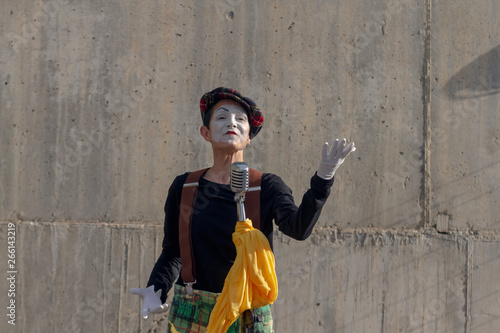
[240, 174]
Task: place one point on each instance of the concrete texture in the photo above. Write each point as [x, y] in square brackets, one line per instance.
[465, 168]
[402, 282]
[99, 112]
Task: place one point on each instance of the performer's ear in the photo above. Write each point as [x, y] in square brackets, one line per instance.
[205, 133]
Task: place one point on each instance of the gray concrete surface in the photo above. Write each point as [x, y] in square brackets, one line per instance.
[99, 112]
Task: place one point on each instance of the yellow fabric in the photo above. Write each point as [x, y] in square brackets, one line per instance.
[172, 328]
[251, 282]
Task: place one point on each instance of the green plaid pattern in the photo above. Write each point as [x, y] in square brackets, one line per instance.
[192, 313]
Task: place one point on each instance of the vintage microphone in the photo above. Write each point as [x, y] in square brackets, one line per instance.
[239, 183]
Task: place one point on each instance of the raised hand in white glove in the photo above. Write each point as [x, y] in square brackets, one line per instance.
[151, 301]
[332, 158]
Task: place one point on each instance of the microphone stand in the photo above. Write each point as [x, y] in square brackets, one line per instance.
[240, 205]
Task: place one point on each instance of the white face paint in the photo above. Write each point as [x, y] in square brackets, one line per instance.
[229, 124]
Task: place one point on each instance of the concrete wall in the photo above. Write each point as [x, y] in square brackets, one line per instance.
[99, 112]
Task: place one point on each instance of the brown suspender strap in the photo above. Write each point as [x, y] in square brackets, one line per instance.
[252, 198]
[188, 199]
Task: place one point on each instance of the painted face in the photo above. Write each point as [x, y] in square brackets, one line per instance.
[229, 124]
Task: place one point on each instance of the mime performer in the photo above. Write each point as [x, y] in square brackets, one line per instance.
[230, 122]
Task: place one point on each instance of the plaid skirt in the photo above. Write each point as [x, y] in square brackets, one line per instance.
[190, 313]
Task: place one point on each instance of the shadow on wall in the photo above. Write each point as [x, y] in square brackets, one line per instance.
[479, 78]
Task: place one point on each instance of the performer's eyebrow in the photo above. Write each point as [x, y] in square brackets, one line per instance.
[222, 108]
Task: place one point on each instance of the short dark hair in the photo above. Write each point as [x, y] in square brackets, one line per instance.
[208, 116]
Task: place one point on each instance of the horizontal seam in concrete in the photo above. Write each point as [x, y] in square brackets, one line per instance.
[410, 233]
[131, 225]
[318, 231]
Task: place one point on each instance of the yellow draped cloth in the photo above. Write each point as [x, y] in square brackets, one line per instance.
[251, 281]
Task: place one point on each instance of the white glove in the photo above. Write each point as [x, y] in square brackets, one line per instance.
[331, 160]
[151, 301]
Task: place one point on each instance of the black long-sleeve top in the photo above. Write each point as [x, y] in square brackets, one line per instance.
[214, 221]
